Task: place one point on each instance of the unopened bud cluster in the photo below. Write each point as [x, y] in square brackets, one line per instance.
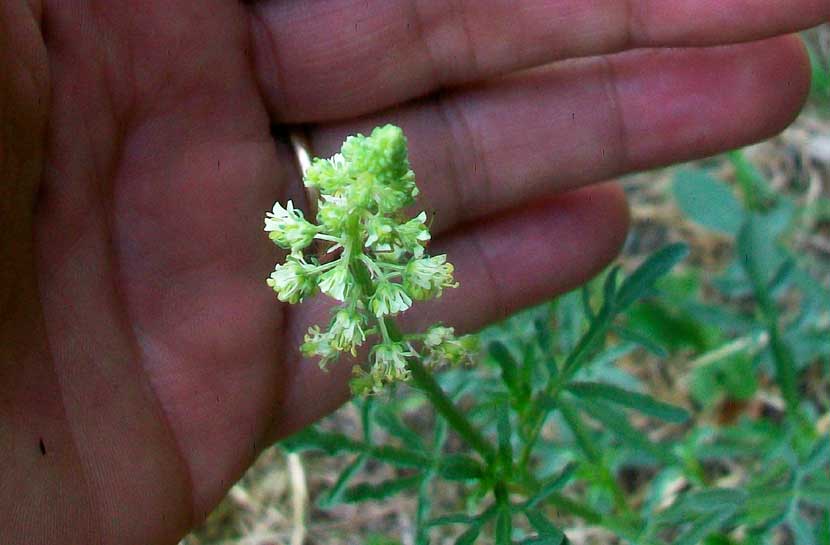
[377, 265]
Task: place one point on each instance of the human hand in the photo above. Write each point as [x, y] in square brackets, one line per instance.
[143, 361]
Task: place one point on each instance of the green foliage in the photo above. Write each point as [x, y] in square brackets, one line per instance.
[513, 416]
[707, 201]
[545, 430]
[820, 68]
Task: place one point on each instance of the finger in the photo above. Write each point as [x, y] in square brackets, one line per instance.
[320, 60]
[482, 150]
[503, 265]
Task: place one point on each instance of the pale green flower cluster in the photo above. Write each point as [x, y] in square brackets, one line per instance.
[374, 261]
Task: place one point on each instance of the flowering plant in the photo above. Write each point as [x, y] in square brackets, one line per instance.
[375, 264]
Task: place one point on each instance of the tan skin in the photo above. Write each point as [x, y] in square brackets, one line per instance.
[143, 362]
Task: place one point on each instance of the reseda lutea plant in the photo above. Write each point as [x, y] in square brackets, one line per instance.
[556, 431]
[374, 262]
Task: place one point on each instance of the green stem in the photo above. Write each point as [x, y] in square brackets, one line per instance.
[754, 187]
[424, 380]
[454, 417]
[420, 376]
[576, 359]
[384, 332]
[785, 366]
[586, 444]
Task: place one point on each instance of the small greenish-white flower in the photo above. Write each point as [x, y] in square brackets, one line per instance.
[293, 281]
[426, 278]
[437, 335]
[319, 344]
[394, 255]
[443, 347]
[337, 281]
[380, 233]
[387, 365]
[389, 299]
[414, 234]
[362, 383]
[388, 362]
[347, 331]
[288, 228]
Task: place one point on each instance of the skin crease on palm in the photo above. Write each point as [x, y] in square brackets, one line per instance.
[143, 361]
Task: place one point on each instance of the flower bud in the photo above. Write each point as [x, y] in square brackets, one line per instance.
[383, 155]
[332, 214]
[328, 175]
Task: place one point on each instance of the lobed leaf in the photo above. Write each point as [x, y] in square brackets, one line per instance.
[642, 280]
[389, 421]
[632, 400]
[641, 339]
[381, 491]
[331, 443]
[334, 495]
[702, 527]
[550, 486]
[509, 369]
[549, 534]
[617, 424]
[459, 467]
[819, 456]
[504, 437]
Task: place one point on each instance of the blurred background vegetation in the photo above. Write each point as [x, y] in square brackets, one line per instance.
[753, 296]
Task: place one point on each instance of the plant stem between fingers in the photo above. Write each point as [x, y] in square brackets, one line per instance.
[423, 380]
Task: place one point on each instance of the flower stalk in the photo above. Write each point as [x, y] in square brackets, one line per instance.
[379, 266]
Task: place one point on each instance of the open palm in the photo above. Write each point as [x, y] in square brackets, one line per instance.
[144, 363]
